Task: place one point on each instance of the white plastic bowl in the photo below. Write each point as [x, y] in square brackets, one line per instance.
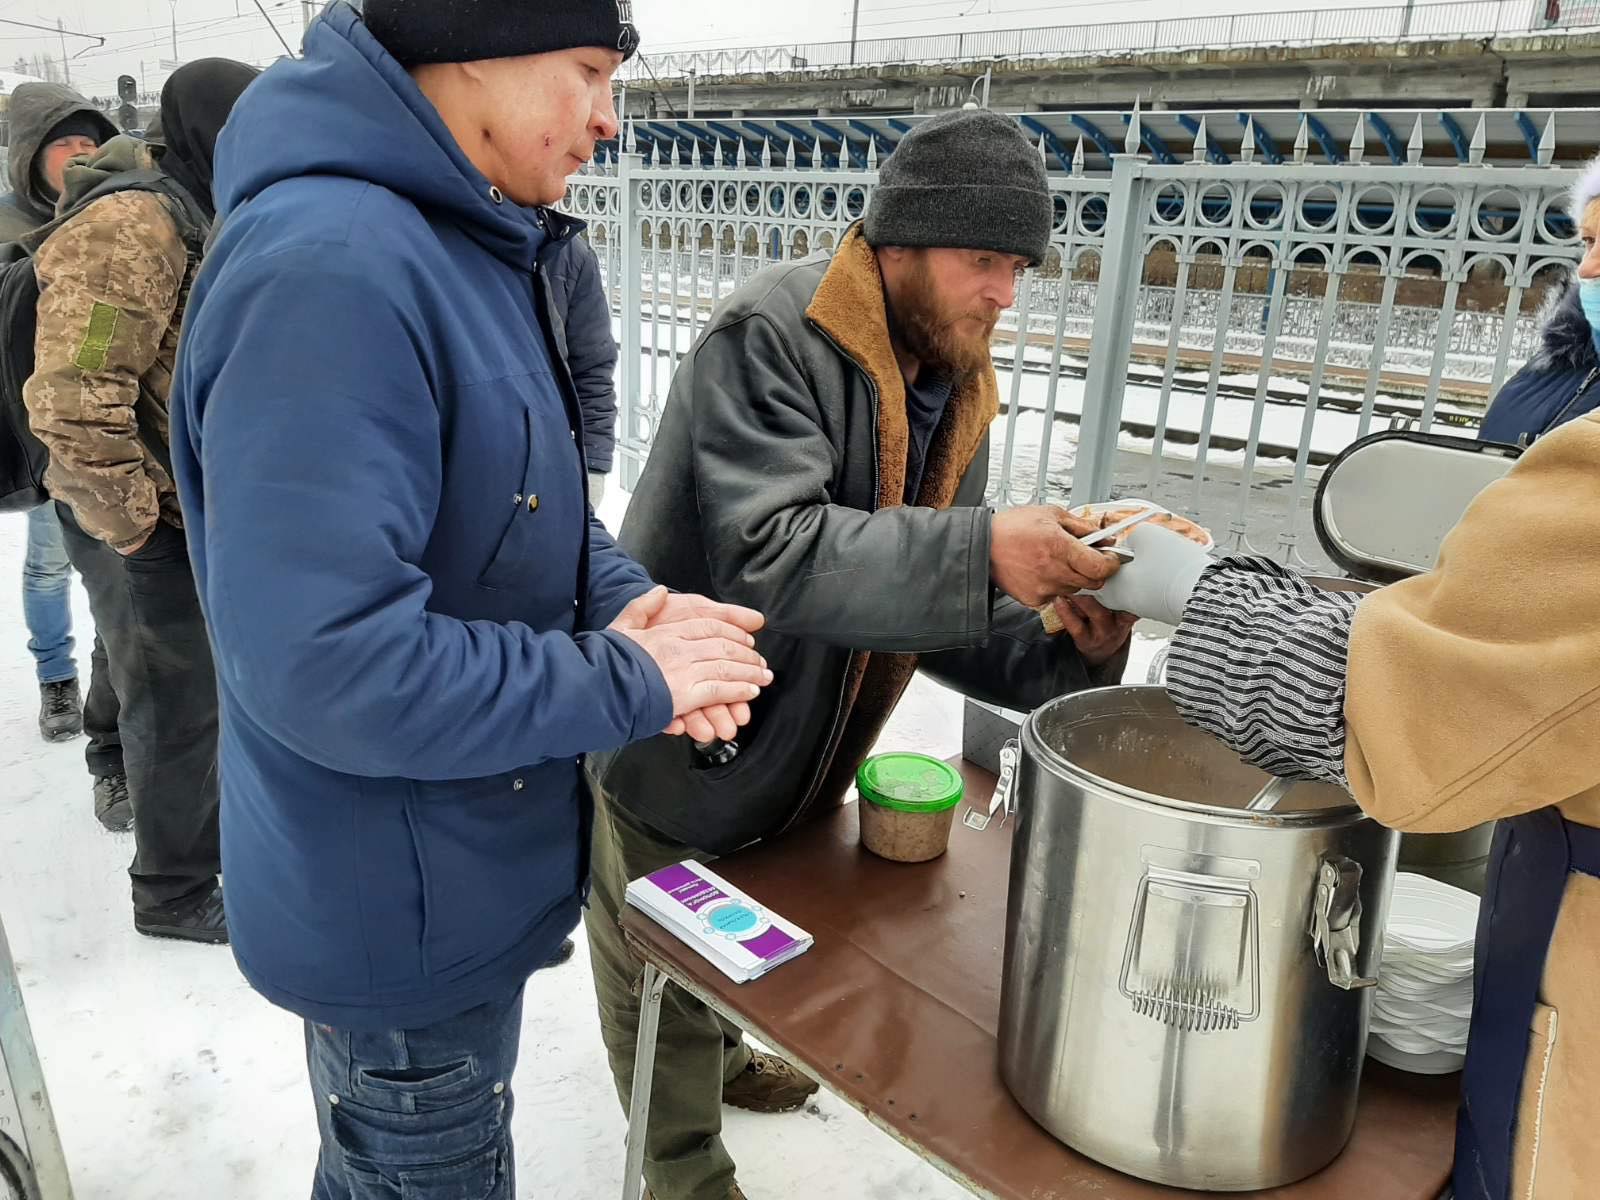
[1437, 1062]
[1432, 917]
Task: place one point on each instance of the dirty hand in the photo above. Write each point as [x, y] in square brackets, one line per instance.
[1159, 581]
[1097, 632]
[1035, 555]
[708, 662]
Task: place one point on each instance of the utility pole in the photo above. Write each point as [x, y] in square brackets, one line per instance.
[855, 24]
[691, 90]
[174, 4]
[63, 34]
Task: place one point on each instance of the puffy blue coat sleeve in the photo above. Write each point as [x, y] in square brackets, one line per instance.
[591, 353]
[614, 578]
[318, 450]
[1534, 401]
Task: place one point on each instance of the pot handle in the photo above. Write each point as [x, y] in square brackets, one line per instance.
[1336, 923]
[1191, 959]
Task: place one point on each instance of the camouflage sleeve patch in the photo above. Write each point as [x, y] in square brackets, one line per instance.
[96, 345]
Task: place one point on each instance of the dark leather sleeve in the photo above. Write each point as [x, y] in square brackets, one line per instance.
[906, 580]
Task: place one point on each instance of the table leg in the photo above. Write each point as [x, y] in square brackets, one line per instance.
[644, 1073]
[24, 1104]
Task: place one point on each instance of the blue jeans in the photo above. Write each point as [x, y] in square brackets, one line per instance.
[47, 597]
[417, 1114]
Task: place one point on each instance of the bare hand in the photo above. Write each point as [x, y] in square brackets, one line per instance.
[1097, 632]
[130, 551]
[707, 662]
[720, 722]
[685, 606]
[1035, 555]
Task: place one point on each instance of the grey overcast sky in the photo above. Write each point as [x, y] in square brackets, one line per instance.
[139, 33]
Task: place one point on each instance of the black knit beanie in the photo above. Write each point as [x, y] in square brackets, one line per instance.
[966, 180]
[453, 31]
[81, 124]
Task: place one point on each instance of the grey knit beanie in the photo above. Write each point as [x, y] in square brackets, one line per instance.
[966, 180]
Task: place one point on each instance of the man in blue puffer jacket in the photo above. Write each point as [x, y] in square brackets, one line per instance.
[419, 628]
[586, 339]
[1562, 379]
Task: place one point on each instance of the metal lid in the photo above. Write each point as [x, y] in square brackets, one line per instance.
[910, 783]
[1384, 506]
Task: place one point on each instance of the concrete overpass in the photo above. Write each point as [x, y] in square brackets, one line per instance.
[1520, 71]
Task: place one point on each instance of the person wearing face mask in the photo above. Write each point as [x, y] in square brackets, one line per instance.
[420, 629]
[1466, 695]
[50, 126]
[1562, 379]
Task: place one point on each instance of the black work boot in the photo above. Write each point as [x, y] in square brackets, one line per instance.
[112, 807]
[564, 953]
[60, 711]
[202, 920]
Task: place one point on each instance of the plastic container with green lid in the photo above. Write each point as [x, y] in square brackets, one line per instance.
[908, 803]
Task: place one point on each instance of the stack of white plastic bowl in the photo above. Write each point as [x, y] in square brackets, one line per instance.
[1423, 1003]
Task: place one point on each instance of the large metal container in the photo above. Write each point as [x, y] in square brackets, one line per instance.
[1186, 990]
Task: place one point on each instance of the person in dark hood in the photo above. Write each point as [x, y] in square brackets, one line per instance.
[1559, 382]
[51, 125]
[113, 273]
[194, 107]
[155, 137]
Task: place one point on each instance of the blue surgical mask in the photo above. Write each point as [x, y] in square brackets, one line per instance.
[1589, 297]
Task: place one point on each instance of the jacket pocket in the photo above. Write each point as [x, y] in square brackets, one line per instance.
[1536, 1098]
[419, 842]
[496, 855]
[509, 564]
[416, 1081]
[165, 545]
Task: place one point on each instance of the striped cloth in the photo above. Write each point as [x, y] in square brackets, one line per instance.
[1259, 663]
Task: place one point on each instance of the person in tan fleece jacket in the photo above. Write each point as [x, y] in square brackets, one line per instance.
[1468, 694]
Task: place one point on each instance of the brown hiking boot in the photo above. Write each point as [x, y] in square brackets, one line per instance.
[733, 1193]
[768, 1085]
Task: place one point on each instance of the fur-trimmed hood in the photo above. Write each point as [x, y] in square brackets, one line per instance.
[1566, 342]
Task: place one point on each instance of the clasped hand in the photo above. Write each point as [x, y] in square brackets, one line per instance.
[706, 652]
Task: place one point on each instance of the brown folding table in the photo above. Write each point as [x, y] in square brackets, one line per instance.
[895, 1008]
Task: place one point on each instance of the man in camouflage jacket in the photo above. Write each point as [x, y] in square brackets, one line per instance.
[114, 275]
[112, 282]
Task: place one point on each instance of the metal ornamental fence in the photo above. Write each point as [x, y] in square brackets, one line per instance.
[1221, 391]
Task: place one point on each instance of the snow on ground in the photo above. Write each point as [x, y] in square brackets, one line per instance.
[171, 1080]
